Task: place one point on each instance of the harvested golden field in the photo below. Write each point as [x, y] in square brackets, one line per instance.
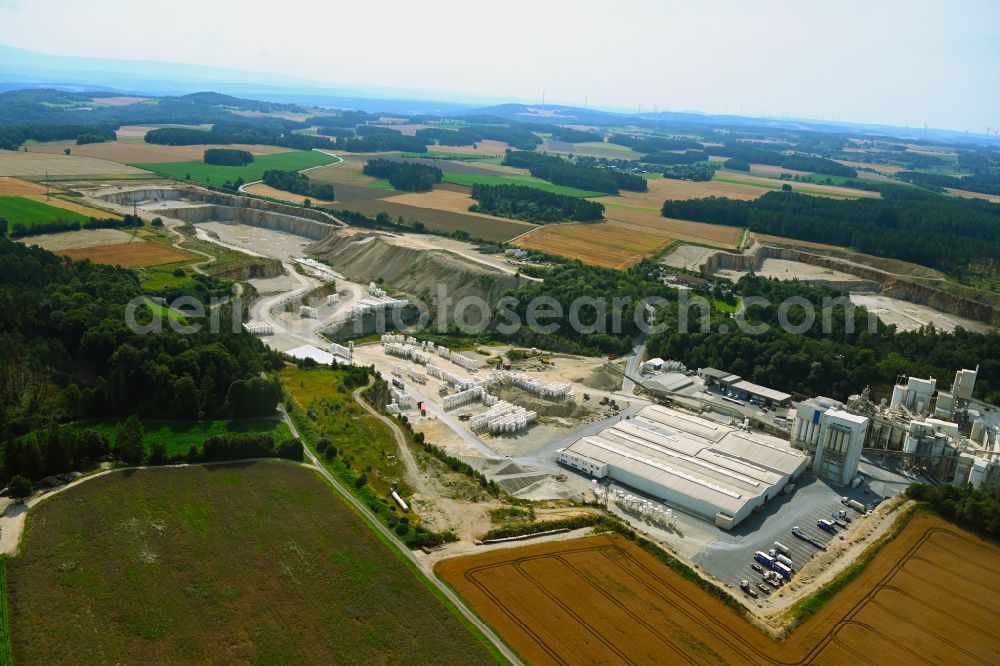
[881, 168]
[139, 131]
[16, 187]
[661, 189]
[37, 165]
[771, 170]
[75, 240]
[263, 190]
[478, 226]
[140, 152]
[136, 254]
[716, 235]
[930, 596]
[995, 198]
[771, 184]
[456, 200]
[610, 244]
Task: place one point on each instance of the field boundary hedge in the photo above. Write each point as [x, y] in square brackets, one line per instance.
[6, 657]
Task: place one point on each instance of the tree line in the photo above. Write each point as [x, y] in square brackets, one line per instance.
[20, 229]
[231, 132]
[406, 176]
[558, 171]
[948, 233]
[297, 183]
[796, 161]
[695, 172]
[533, 205]
[654, 144]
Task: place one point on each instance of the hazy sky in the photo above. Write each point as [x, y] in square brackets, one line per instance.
[886, 61]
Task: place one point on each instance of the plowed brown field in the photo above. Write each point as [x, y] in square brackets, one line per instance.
[130, 255]
[930, 596]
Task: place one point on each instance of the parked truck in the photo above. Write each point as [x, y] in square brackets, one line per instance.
[783, 569]
[784, 560]
[763, 558]
[782, 548]
[855, 504]
[826, 526]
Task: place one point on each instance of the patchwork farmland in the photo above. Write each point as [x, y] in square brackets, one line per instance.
[212, 174]
[608, 244]
[928, 596]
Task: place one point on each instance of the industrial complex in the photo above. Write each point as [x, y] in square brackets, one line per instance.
[715, 471]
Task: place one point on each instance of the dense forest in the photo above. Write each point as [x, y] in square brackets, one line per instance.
[977, 509]
[558, 171]
[11, 138]
[383, 141]
[516, 136]
[947, 233]
[67, 353]
[236, 132]
[985, 180]
[228, 157]
[298, 183]
[335, 132]
[406, 176]
[533, 205]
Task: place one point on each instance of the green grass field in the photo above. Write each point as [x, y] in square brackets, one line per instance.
[30, 212]
[253, 563]
[217, 175]
[472, 179]
[179, 436]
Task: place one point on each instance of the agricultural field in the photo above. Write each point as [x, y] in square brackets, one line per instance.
[349, 184]
[135, 152]
[50, 196]
[609, 244]
[477, 226]
[612, 151]
[211, 174]
[468, 180]
[139, 131]
[928, 596]
[28, 212]
[134, 254]
[241, 563]
[260, 189]
[40, 165]
[650, 220]
[449, 200]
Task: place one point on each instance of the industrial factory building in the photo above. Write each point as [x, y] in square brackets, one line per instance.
[714, 471]
[835, 436]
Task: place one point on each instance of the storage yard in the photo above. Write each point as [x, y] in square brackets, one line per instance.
[921, 599]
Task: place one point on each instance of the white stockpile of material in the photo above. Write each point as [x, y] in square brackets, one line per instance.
[463, 397]
[550, 390]
[402, 398]
[375, 290]
[307, 312]
[341, 350]
[503, 417]
[416, 375]
[258, 328]
[408, 351]
[332, 298]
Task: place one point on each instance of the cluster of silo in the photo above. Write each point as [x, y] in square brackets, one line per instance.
[503, 417]
[258, 328]
[550, 390]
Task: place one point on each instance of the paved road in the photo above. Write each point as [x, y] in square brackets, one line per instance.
[632, 366]
[407, 553]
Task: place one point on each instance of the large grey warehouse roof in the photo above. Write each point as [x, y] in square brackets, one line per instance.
[706, 461]
[713, 372]
[763, 391]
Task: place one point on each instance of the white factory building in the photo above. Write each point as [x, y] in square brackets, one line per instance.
[714, 471]
[835, 436]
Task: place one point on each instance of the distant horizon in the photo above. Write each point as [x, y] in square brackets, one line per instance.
[153, 86]
[756, 60]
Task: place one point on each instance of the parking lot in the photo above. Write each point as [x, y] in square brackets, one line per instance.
[800, 551]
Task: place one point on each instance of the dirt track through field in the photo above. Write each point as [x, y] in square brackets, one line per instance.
[929, 596]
